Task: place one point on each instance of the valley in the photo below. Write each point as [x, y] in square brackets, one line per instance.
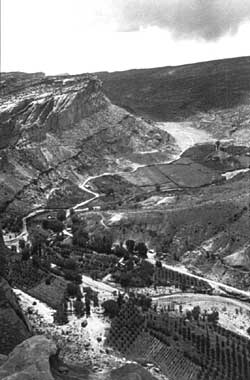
[125, 225]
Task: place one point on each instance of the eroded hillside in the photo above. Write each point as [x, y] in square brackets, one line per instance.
[57, 130]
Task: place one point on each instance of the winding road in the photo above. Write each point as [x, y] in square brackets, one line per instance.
[186, 136]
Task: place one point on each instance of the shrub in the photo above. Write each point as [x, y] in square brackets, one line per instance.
[61, 215]
[48, 281]
[101, 243]
[196, 312]
[60, 317]
[79, 308]
[130, 244]
[70, 264]
[71, 275]
[80, 237]
[25, 254]
[119, 251]
[141, 249]
[125, 279]
[54, 225]
[111, 308]
[21, 244]
[73, 290]
[213, 317]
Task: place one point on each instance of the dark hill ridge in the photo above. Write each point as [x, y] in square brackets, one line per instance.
[174, 93]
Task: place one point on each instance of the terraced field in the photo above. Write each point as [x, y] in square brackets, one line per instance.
[182, 173]
[172, 362]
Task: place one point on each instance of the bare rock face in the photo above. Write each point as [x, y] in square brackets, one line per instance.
[131, 372]
[29, 360]
[59, 129]
[14, 326]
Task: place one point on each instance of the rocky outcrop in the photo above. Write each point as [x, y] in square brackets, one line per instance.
[36, 359]
[57, 130]
[30, 360]
[131, 372]
[14, 326]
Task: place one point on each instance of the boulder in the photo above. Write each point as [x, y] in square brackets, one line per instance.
[14, 326]
[131, 372]
[30, 360]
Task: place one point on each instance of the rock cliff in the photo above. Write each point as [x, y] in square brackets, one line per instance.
[14, 326]
[29, 360]
[36, 359]
[57, 130]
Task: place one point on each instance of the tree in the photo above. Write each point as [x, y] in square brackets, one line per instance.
[144, 301]
[21, 244]
[196, 312]
[157, 187]
[2, 264]
[38, 239]
[158, 264]
[120, 299]
[189, 315]
[119, 251]
[111, 308]
[183, 287]
[72, 289]
[125, 279]
[25, 254]
[61, 215]
[217, 145]
[95, 300]
[130, 244]
[77, 223]
[130, 264]
[101, 243]
[110, 191]
[141, 249]
[79, 308]
[71, 275]
[60, 317]
[213, 317]
[80, 237]
[45, 224]
[87, 305]
[70, 264]
[36, 262]
[56, 226]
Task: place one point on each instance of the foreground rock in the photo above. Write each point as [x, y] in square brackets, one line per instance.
[29, 360]
[131, 372]
[14, 326]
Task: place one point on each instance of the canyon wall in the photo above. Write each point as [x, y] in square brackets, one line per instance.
[57, 130]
